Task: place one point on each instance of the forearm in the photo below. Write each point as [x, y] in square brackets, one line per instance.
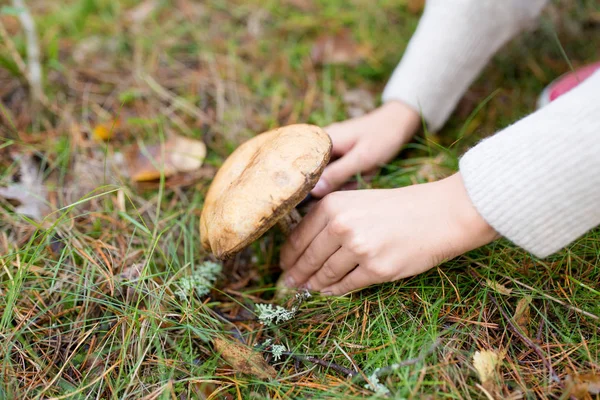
[537, 182]
[455, 39]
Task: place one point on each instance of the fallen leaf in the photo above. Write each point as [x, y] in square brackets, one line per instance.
[244, 359]
[11, 23]
[522, 314]
[181, 154]
[88, 172]
[29, 191]
[105, 131]
[132, 272]
[583, 385]
[486, 365]
[358, 102]
[336, 49]
[498, 287]
[415, 6]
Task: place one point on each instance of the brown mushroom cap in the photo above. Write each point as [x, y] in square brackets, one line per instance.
[259, 183]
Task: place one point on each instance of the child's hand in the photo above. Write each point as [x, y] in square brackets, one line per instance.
[353, 239]
[366, 142]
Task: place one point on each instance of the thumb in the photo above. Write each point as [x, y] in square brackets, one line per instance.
[338, 172]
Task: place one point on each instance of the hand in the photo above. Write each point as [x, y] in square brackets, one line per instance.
[353, 239]
[366, 142]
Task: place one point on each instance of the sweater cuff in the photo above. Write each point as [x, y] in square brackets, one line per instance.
[537, 182]
[453, 42]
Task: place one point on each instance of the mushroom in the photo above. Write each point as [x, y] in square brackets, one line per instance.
[260, 184]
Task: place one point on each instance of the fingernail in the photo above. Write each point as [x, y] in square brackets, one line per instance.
[320, 187]
[306, 286]
[326, 293]
[290, 281]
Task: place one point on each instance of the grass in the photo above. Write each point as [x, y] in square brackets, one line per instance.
[86, 298]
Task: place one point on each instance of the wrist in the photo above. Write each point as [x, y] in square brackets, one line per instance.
[402, 120]
[472, 229]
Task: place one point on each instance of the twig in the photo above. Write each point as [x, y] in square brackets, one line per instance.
[34, 74]
[528, 342]
[327, 364]
[562, 303]
[380, 372]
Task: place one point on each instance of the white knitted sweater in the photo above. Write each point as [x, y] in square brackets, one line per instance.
[536, 182]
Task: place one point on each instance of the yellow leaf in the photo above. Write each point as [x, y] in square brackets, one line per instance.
[486, 364]
[105, 131]
[498, 287]
[522, 314]
[584, 385]
[244, 359]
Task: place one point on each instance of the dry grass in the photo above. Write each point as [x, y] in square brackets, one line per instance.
[87, 302]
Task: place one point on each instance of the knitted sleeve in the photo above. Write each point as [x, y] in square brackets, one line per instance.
[453, 42]
[537, 182]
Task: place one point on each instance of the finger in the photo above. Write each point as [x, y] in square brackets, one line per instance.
[365, 176]
[297, 242]
[339, 172]
[333, 270]
[341, 141]
[311, 261]
[359, 278]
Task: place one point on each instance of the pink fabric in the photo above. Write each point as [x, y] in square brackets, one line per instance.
[572, 79]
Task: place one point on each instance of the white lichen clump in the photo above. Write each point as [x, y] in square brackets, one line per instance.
[376, 386]
[199, 282]
[277, 351]
[269, 314]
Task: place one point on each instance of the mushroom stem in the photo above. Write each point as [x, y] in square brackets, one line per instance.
[289, 221]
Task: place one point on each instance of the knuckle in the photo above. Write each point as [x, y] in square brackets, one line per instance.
[359, 246]
[328, 271]
[339, 226]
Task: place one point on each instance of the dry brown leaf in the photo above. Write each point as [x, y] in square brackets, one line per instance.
[358, 102]
[415, 6]
[132, 272]
[11, 23]
[336, 49]
[88, 172]
[583, 386]
[29, 191]
[523, 315]
[244, 359]
[498, 287]
[181, 154]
